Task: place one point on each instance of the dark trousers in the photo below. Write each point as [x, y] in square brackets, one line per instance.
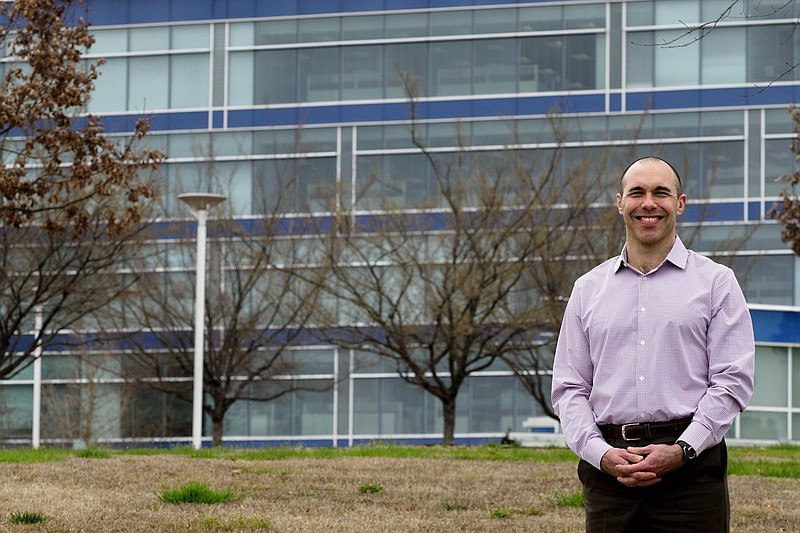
[692, 498]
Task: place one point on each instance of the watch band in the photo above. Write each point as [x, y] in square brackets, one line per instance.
[689, 453]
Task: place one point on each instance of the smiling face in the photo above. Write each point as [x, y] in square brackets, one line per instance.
[650, 202]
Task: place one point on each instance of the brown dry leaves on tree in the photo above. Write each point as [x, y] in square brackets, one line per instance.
[57, 162]
[787, 208]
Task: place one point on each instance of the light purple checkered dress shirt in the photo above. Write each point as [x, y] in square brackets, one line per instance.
[674, 343]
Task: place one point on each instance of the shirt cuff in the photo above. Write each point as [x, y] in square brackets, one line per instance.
[594, 451]
[698, 437]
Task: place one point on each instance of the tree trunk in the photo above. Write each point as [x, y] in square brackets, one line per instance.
[449, 413]
[217, 423]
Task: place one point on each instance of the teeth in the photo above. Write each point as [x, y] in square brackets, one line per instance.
[649, 219]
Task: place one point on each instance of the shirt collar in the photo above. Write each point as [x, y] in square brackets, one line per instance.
[678, 255]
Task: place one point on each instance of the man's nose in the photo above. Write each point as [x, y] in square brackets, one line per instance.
[649, 200]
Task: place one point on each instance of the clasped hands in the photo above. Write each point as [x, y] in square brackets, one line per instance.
[642, 466]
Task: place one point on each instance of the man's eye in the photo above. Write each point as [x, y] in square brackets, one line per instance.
[662, 194]
[635, 194]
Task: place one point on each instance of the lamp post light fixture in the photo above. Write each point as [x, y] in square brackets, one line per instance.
[199, 204]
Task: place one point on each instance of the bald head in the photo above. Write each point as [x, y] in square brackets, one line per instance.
[652, 160]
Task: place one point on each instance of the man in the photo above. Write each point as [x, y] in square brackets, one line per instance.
[654, 362]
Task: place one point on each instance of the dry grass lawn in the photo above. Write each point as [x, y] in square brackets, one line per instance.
[120, 493]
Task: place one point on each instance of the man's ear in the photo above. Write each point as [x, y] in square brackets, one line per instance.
[619, 203]
[681, 204]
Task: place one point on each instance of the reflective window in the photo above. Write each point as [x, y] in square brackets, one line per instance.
[779, 161]
[444, 68]
[110, 41]
[390, 405]
[241, 87]
[406, 68]
[796, 378]
[451, 22]
[319, 74]
[392, 181]
[362, 72]
[17, 412]
[190, 36]
[148, 83]
[795, 426]
[111, 87]
[765, 279]
[294, 413]
[763, 425]
[771, 52]
[708, 11]
[652, 56]
[292, 185]
[362, 27]
[719, 65]
[450, 68]
[778, 121]
[540, 18]
[404, 25]
[277, 32]
[189, 81]
[770, 377]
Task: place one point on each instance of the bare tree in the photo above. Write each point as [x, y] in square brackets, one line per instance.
[449, 291]
[256, 309]
[61, 278]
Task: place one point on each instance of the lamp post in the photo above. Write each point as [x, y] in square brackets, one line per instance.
[199, 204]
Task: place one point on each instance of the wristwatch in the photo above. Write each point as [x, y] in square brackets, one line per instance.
[688, 452]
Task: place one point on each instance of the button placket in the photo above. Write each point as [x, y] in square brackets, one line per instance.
[641, 352]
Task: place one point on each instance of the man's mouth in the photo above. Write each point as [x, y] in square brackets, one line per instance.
[648, 219]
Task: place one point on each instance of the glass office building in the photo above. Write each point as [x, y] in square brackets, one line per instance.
[243, 77]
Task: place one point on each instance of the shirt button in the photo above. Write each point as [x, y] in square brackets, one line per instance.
[641, 378]
[642, 309]
[641, 415]
[641, 342]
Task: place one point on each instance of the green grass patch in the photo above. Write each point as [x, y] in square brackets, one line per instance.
[197, 492]
[781, 468]
[489, 452]
[26, 518]
[502, 513]
[771, 461]
[370, 488]
[93, 453]
[27, 455]
[568, 499]
[447, 506]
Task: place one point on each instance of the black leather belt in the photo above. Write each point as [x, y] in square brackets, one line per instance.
[645, 430]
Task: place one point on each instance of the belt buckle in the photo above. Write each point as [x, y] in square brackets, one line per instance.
[625, 427]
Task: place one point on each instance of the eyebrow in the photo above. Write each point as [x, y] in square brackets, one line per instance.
[659, 188]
